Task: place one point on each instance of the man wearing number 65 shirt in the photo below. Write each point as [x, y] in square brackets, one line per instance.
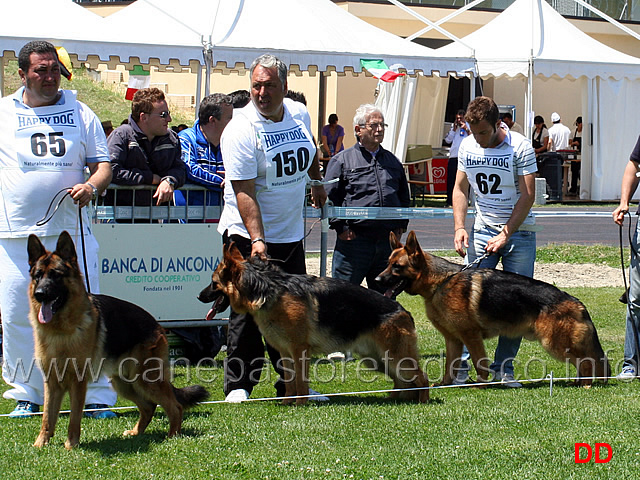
[47, 140]
[268, 153]
[499, 165]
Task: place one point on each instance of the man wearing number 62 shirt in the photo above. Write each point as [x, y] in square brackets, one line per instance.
[268, 153]
[47, 140]
[499, 165]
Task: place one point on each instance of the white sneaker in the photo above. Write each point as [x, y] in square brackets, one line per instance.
[507, 380]
[461, 377]
[318, 398]
[237, 396]
[627, 374]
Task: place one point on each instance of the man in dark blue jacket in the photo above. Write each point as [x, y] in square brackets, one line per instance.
[200, 146]
[369, 176]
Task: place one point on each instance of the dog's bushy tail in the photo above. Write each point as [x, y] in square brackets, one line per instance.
[191, 396]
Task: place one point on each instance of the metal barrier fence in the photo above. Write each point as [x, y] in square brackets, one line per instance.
[165, 259]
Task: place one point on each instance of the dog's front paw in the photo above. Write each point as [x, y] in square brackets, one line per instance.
[71, 443]
[41, 441]
[130, 433]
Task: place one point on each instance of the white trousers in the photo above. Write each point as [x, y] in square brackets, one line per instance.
[19, 368]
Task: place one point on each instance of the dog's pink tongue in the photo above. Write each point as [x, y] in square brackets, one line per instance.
[211, 314]
[46, 313]
[389, 293]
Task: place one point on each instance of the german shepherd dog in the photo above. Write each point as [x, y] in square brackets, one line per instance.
[301, 314]
[467, 306]
[103, 333]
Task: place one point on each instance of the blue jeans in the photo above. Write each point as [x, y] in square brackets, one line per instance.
[631, 340]
[360, 258]
[518, 256]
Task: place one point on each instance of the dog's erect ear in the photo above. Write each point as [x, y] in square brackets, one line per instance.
[65, 247]
[394, 241]
[35, 249]
[412, 244]
[232, 254]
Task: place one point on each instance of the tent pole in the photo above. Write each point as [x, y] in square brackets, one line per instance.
[322, 104]
[1, 76]
[472, 88]
[198, 89]
[528, 101]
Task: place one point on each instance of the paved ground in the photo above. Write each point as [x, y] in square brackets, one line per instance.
[575, 225]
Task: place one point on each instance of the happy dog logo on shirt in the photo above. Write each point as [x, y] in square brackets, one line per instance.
[59, 119]
[500, 161]
[275, 139]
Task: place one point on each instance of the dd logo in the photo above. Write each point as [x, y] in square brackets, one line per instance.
[579, 447]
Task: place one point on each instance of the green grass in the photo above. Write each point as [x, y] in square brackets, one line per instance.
[566, 253]
[494, 433]
[105, 102]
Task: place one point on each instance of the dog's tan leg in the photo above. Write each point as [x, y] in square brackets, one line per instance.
[172, 408]
[404, 368]
[53, 393]
[146, 409]
[454, 351]
[301, 362]
[289, 377]
[479, 358]
[77, 395]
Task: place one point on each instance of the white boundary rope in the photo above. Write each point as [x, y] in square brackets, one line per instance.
[549, 378]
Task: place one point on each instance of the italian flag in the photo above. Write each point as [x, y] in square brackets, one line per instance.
[138, 78]
[379, 69]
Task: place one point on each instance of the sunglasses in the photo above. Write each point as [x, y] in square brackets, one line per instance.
[164, 114]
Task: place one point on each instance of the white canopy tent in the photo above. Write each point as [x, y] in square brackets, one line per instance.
[28, 20]
[309, 35]
[224, 35]
[541, 43]
[414, 109]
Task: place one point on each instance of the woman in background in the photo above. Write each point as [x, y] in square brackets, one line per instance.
[576, 143]
[332, 136]
[540, 137]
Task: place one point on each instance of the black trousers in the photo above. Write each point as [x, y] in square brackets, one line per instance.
[245, 345]
[452, 171]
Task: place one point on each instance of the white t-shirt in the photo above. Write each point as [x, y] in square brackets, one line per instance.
[559, 136]
[277, 155]
[493, 174]
[42, 151]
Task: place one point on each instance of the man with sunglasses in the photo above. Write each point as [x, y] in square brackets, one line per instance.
[368, 176]
[146, 151]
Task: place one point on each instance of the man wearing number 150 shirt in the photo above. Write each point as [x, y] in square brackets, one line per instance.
[499, 165]
[47, 140]
[268, 153]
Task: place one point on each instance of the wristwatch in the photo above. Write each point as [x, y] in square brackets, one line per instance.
[171, 181]
[95, 191]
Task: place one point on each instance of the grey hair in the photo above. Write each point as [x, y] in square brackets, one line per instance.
[363, 112]
[269, 61]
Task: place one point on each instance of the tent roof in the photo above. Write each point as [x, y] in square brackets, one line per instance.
[51, 20]
[307, 33]
[532, 29]
[312, 34]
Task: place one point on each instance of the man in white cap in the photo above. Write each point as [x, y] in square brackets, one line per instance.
[559, 135]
